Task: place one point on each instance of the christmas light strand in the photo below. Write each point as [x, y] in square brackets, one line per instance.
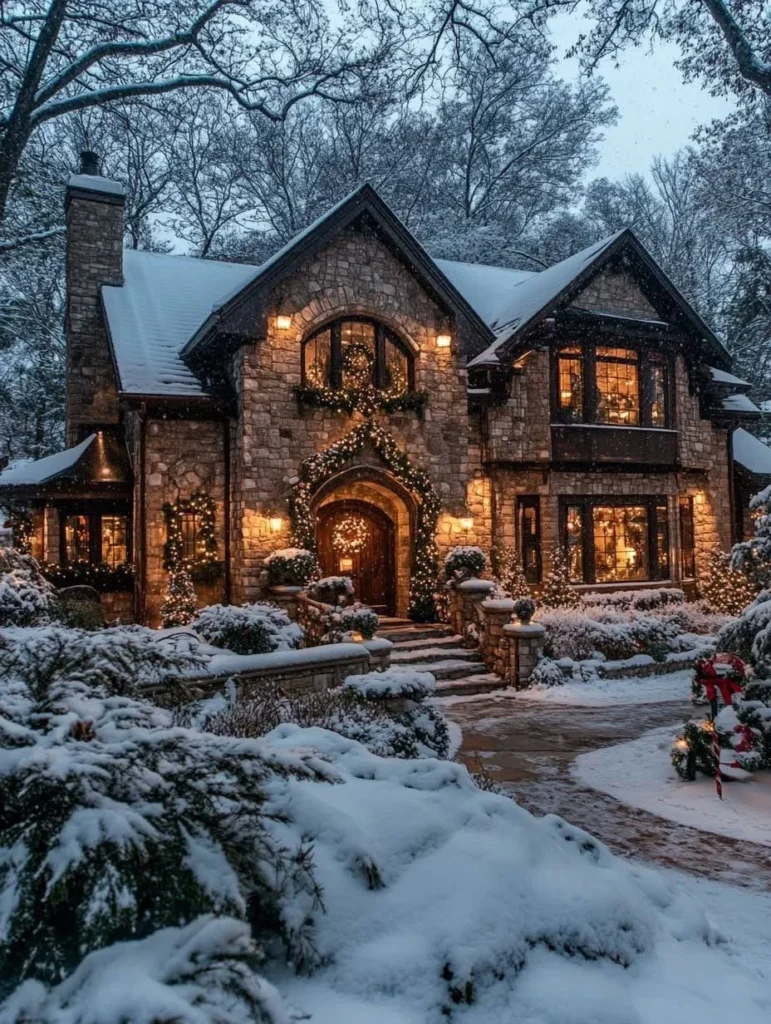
[205, 509]
[350, 535]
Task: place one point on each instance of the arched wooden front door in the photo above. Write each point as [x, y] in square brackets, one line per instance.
[371, 565]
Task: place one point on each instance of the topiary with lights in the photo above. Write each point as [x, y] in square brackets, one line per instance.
[323, 465]
[724, 588]
[180, 604]
[508, 572]
[557, 591]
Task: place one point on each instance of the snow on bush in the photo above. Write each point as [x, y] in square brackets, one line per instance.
[115, 823]
[546, 673]
[26, 597]
[359, 618]
[248, 628]
[293, 567]
[464, 563]
[202, 973]
[393, 682]
[467, 898]
[643, 600]
[332, 590]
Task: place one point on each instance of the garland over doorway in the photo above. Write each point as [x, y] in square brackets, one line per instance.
[317, 469]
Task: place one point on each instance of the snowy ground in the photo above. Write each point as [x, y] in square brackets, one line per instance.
[640, 774]
[595, 693]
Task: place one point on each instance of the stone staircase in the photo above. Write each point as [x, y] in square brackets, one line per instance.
[432, 647]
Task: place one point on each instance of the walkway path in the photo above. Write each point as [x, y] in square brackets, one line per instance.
[528, 746]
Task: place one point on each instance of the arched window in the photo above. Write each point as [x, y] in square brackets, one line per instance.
[351, 354]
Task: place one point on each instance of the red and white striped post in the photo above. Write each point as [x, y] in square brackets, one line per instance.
[716, 756]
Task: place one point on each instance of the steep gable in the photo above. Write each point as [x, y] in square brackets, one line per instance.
[618, 293]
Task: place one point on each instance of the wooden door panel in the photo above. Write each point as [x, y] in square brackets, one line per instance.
[372, 568]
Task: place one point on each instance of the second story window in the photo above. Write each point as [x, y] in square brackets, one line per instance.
[354, 354]
[601, 384]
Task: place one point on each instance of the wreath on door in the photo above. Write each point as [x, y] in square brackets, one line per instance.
[350, 535]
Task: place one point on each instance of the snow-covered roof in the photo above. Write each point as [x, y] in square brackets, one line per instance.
[739, 403]
[486, 288]
[163, 301]
[751, 453]
[39, 471]
[96, 183]
[722, 377]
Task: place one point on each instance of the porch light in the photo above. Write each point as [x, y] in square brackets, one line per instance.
[466, 522]
[283, 322]
[275, 523]
[443, 340]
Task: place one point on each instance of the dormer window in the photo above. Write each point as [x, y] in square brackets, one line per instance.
[602, 384]
[351, 355]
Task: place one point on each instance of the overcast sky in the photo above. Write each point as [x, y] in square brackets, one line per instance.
[658, 111]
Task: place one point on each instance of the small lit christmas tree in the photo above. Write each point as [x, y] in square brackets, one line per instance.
[508, 571]
[557, 591]
[724, 588]
[180, 604]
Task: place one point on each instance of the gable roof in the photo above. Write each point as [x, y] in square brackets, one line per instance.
[39, 471]
[751, 453]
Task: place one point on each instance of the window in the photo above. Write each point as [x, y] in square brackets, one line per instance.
[350, 354]
[529, 536]
[687, 545]
[193, 546]
[607, 541]
[622, 387]
[94, 536]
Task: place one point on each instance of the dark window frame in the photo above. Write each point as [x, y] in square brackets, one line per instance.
[523, 502]
[660, 569]
[648, 356]
[685, 510]
[383, 337]
[94, 516]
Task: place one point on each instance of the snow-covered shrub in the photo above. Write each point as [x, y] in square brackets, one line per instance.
[120, 660]
[393, 682]
[382, 728]
[26, 597]
[115, 823]
[753, 709]
[248, 628]
[464, 562]
[202, 973]
[77, 613]
[359, 619]
[524, 609]
[642, 600]
[291, 567]
[749, 636]
[332, 590]
[545, 674]
[693, 617]
[572, 634]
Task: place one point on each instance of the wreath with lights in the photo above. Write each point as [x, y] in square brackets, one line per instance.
[350, 535]
[205, 564]
[318, 468]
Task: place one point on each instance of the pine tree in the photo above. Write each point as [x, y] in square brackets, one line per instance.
[180, 604]
[508, 571]
[726, 589]
[557, 591]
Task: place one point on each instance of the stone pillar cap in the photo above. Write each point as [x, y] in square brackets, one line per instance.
[532, 629]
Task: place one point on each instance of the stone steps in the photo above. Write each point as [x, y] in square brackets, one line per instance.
[421, 655]
[398, 634]
[484, 682]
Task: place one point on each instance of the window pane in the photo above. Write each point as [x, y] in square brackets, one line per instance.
[687, 547]
[397, 369]
[630, 354]
[661, 542]
[317, 360]
[620, 543]
[575, 531]
[658, 394]
[192, 545]
[529, 540]
[76, 539]
[114, 540]
[618, 390]
[357, 342]
[571, 388]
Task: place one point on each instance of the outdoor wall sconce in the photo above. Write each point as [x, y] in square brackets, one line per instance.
[443, 340]
[275, 523]
[466, 522]
[283, 322]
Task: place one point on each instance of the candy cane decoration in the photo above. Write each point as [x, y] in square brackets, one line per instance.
[716, 755]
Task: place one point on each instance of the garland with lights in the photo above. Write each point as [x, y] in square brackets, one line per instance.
[366, 400]
[20, 523]
[320, 467]
[350, 535]
[99, 575]
[205, 564]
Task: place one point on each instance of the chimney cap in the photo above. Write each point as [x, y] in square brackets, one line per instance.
[89, 162]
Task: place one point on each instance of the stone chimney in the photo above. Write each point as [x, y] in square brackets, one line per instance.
[94, 218]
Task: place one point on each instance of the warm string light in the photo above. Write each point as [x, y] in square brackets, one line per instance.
[99, 575]
[320, 467]
[204, 508]
[350, 535]
[367, 400]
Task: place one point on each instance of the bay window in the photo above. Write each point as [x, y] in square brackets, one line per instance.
[611, 386]
[87, 535]
[611, 541]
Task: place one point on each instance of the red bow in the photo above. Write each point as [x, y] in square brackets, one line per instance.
[712, 681]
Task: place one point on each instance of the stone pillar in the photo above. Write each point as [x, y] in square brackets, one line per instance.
[468, 595]
[286, 598]
[525, 645]
[495, 646]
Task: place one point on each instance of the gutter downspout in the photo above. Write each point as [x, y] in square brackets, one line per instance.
[141, 531]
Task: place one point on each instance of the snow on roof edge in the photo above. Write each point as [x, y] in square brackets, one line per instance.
[39, 471]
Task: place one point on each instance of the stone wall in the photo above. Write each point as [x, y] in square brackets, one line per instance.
[94, 257]
[354, 275]
[616, 292]
[519, 430]
[181, 457]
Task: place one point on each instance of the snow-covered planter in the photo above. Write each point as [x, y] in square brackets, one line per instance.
[393, 683]
[524, 609]
[248, 628]
[291, 567]
[464, 563]
[334, 590]
[115, 823]
[359, 618]
[26, 597]
[202, 973]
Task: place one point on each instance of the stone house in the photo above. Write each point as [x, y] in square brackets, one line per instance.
[356, 396]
